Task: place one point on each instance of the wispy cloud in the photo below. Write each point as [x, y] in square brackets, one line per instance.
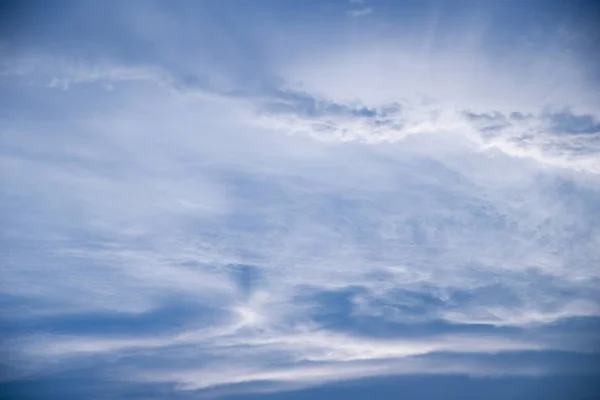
[360, 13]
[301, 214]
[338, 212]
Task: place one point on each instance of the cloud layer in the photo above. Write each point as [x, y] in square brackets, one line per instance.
[305, 216]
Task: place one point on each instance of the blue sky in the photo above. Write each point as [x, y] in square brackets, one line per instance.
[300, 200]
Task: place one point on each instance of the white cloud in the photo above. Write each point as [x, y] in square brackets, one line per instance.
[165, 218]
[306, 357]
[301, 377]
[531, 138]
[62, 72]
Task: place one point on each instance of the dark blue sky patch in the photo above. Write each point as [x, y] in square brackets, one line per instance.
[552, 362]
[172, 316]
[583, 332]
[85, 383]
[329, 308]
[519, 116]
[308, 106]
[567, 122]
[574, 324]
[488, 117]
[246, 277]
[450, 387]
[335, 310]
[493, 122]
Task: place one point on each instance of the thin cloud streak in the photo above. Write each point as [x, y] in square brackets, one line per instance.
[360, 13]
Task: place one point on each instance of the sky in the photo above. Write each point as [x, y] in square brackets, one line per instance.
[364, 199]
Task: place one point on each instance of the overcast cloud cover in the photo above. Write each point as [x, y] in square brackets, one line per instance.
[296, 200]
